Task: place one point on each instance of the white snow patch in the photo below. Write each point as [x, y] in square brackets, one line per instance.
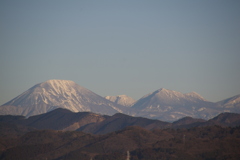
[201, 109]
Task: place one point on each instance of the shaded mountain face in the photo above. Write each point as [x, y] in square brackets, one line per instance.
[53, 94]
[65, 120]
[187, 121]
[120, 121]
[224, 120]
[122, 100]
[58, 119]
[171, 105]
[62, 119]
[196, 143]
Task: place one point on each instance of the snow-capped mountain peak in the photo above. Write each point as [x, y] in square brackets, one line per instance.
[60, 87]
[122, 100]
[195, 95]
[171, 104]
[52, 94]
[56, 83]
[167, 94]
[231, 104]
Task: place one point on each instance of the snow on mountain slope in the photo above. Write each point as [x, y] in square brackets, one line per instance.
[52, 94]
[162, 104]
[195, 95]
[231, 104]
[171, 105]
[122, 100]
[167, 97]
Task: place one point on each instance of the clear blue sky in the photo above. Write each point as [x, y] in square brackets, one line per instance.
[130, 47]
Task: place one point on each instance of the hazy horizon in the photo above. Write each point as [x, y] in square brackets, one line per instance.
[121, 47]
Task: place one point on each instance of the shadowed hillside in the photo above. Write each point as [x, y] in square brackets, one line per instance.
[196, 143]
[65, 120]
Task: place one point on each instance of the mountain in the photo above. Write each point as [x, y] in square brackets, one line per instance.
[231, 104]
[171, 105]
[122, 100]
[58, 119]
[187, 122]
[120, 121]
[163, 97]
[224, 120]
[62, 119]
[53, 94]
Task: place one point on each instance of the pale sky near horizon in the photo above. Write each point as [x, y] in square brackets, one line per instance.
[129, 47]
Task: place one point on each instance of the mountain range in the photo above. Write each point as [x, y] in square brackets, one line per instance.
[65, 120]
[162, 104]
[62, 134]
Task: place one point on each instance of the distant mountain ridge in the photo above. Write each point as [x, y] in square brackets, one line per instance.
[119, 121]
[165, 97]
[231, 104]
[162, 104]
[172, 105]
[65, 120]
